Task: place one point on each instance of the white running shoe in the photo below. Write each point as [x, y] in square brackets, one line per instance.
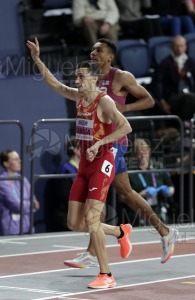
[168, 244]
[85, 260]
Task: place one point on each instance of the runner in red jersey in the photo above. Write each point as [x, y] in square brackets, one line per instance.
[94, 178]
[118, 84]
[95, 113]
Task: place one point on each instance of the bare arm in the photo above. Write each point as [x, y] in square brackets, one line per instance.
[52, 82]
[189, 7]
[122, 126]
[128, 83]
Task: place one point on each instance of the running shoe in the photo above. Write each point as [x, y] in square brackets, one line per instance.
[84, 260]
[168, 244]
[125, 244]
[103, 281]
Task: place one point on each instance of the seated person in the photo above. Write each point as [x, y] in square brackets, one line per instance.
[156, 187]
[96, 18]
[173, 82]
[190, 8]
[173, 20]
[10, 196]
[134, 23]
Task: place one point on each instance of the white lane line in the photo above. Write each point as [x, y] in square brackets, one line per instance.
[12, 242]
[72, 248]
[120, 287]
[38, 236]
[68, 247]
[111, 264]
[68, 234]
[4, 287]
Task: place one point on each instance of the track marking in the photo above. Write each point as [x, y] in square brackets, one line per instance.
[3, 287]
[189, 282]
[12, 242]
[111, 264]
[120, 287]
[72, 248]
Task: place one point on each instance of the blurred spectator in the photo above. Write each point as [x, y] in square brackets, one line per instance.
[134, 23]
[173, 20]
[96, 18]
[173, 82]
[10, 196]
[63, 185]
[190, 8]
[156, 187]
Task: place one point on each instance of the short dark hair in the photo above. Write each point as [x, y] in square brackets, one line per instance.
[110, 44]
[4, 156]
[93, 67]
[70, 146]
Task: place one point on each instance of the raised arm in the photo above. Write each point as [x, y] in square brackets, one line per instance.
[52, 82]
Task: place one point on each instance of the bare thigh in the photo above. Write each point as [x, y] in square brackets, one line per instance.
[122, 184]
[76, 213]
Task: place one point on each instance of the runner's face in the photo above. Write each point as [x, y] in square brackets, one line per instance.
[100, 53]
[85, 82]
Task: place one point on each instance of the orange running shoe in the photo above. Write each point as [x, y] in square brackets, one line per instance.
[125, 244]
[103, 281]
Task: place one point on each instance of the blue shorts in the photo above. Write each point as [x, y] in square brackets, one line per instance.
[120, 164]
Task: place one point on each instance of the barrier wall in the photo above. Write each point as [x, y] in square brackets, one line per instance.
[26, 99]
[37, 152]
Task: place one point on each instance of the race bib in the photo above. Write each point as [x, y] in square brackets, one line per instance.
[103, 89]
[84, 129]
[107, 168]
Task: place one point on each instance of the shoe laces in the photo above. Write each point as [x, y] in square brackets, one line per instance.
[163, 244]
[82, 255]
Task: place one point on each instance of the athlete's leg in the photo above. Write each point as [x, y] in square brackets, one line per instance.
[76, 213]
[137, 203]
[76, 205]
[92, 216]
[120, 164]
[100, 183]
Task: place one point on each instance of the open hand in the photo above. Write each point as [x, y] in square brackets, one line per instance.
[34, 48]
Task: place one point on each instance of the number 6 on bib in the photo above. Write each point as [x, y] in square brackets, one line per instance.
[107, 168]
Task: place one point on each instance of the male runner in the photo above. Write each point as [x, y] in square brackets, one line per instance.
[117, 84]
[96, 112]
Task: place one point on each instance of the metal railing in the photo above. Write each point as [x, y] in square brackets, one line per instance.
[33, 175]
[191, 169]
[179, 169]
[21, 176]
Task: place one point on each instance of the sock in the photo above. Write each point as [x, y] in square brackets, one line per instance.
[109, 274]
[121, 234]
